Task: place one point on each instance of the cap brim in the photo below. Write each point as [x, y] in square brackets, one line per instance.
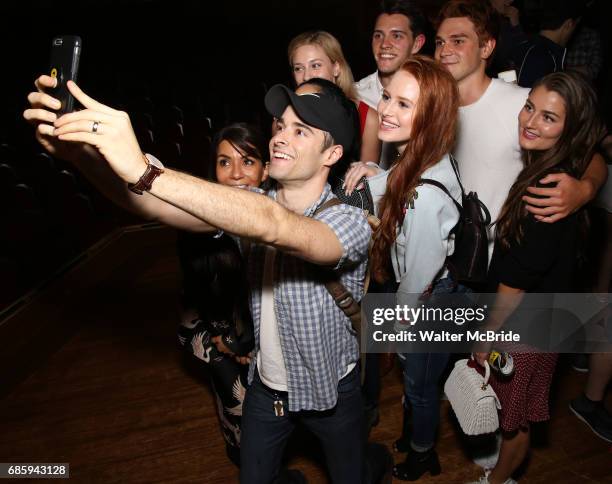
[279, 97]
[314, 110]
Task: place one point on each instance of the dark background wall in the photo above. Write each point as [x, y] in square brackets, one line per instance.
[210, 59]
[224, 51]
[179, 49]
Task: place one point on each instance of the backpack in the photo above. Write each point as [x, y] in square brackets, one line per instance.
[469, 262]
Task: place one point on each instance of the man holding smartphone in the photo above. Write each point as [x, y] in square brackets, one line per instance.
[304, 367]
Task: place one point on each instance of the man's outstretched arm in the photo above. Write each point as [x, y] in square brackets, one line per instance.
[250, 215]
[151, 208]
[239, 212]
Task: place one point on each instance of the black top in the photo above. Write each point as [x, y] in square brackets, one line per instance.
[215, 283]
[537, 57]
[509, 37]
[544, 260]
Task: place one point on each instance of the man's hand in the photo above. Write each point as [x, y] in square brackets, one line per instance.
[506, 9]
[221, 348]
[568, 196]
[106, 129]
[512, 14]
[244, 360]
[41, 115]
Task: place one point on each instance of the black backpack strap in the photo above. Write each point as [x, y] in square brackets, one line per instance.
[455, 166]
[436, 183]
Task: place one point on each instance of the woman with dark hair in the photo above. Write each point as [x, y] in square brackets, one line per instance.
[216, 324]
[418, 113]
[558, 132]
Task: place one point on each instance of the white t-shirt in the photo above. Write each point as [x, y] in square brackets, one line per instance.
[487, 148]
[369, 90]
[270, 360]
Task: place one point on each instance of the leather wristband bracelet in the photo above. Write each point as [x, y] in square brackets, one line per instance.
[154, 169]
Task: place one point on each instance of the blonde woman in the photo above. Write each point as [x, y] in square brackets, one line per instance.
[319, 54]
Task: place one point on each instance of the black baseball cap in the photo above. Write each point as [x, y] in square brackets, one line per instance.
[322, 110]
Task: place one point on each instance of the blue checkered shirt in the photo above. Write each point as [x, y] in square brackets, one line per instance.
[317, 339]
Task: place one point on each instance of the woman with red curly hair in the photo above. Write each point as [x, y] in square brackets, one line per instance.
[418, 113]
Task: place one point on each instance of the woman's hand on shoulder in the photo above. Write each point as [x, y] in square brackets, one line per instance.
[355, 173]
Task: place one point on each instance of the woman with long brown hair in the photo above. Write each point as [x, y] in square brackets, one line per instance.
[559, 130]
[418, 113]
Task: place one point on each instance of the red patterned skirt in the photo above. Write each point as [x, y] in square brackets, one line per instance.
[524, 394]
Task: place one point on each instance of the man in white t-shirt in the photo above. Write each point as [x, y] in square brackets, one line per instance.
[487, 147]
[399, 33]
[488, 152]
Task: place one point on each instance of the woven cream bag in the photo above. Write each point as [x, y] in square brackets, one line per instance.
[473, 400]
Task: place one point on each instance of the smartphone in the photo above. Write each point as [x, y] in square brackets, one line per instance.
[64, 66]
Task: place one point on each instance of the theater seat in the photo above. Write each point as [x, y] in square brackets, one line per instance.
[172, 132]
[168, 152]
[8, 180]
[8, 153]
[25, 198]
[67, 184]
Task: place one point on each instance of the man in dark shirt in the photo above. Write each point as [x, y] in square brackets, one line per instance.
[545, 52]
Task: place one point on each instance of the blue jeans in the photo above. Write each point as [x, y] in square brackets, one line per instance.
[422, 373]
[264, 435]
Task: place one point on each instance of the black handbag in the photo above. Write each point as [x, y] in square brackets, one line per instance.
[360, 198]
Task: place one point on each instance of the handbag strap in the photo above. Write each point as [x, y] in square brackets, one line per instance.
[487, 368]
[487, 375]
[341, 295]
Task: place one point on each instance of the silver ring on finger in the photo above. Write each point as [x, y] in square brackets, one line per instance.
[95, 126]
